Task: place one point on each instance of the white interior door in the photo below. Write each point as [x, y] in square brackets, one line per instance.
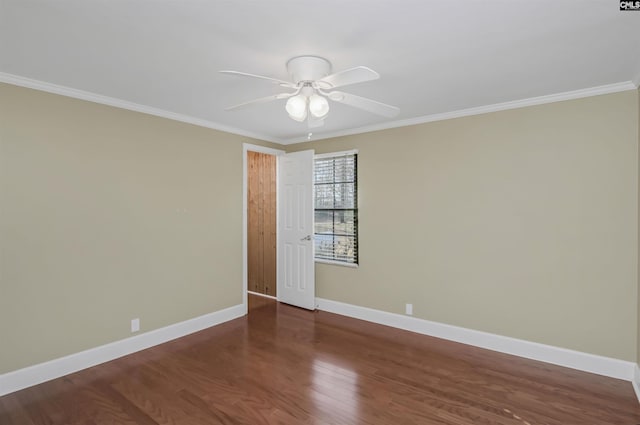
[296, 274]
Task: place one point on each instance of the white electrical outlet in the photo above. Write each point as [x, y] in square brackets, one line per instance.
[135, 325]
[408, 309]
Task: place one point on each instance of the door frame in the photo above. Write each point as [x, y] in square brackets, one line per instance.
[248, 147]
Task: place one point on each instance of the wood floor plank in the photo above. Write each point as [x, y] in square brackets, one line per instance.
[12, 412]
[283, 365]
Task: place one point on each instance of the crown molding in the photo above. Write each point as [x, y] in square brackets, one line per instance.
[17, 80]
[532, 101]
[119, 103]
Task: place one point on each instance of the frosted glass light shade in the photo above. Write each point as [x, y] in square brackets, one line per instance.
[318, 106]
[297, 107]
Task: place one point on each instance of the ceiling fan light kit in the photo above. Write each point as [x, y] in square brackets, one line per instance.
[318, 106]
[313, 84]
[297, 107]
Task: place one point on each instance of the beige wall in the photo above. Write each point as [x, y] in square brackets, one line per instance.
[107, 215]
[521, 223]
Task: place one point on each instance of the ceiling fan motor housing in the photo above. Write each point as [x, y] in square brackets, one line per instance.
[308, 68]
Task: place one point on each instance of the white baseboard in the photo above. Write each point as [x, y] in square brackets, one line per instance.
[636, 381]
[600, 365]
[36, 374]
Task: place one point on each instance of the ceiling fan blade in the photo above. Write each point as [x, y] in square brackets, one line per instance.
[260, 100]
[369, 105]
[261, 77]
[359, 74]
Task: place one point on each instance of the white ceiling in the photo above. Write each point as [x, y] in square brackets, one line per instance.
[434, 57]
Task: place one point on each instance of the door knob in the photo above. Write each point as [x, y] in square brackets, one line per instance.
[306, 238]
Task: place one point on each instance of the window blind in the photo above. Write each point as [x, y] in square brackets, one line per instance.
[336, 208]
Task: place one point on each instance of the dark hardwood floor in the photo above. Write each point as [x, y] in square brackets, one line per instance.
[283, 365]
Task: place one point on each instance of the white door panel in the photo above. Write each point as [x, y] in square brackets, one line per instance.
[296, 275]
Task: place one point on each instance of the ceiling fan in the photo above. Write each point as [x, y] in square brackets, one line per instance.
[313, 86]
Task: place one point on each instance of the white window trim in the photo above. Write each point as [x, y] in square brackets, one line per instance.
[337, 263]
[333, 155]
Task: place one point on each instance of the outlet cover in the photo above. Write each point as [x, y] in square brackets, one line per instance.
[135, 325]
[409, 309]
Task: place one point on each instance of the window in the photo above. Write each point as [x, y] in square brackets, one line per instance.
[336, 207]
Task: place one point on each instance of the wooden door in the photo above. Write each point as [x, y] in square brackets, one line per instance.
[261, 223]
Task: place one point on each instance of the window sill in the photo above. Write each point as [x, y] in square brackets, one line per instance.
[337, 263]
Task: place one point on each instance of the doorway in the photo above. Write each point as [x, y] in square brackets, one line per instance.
[261, 223]
[247, 233]
[294, 216]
